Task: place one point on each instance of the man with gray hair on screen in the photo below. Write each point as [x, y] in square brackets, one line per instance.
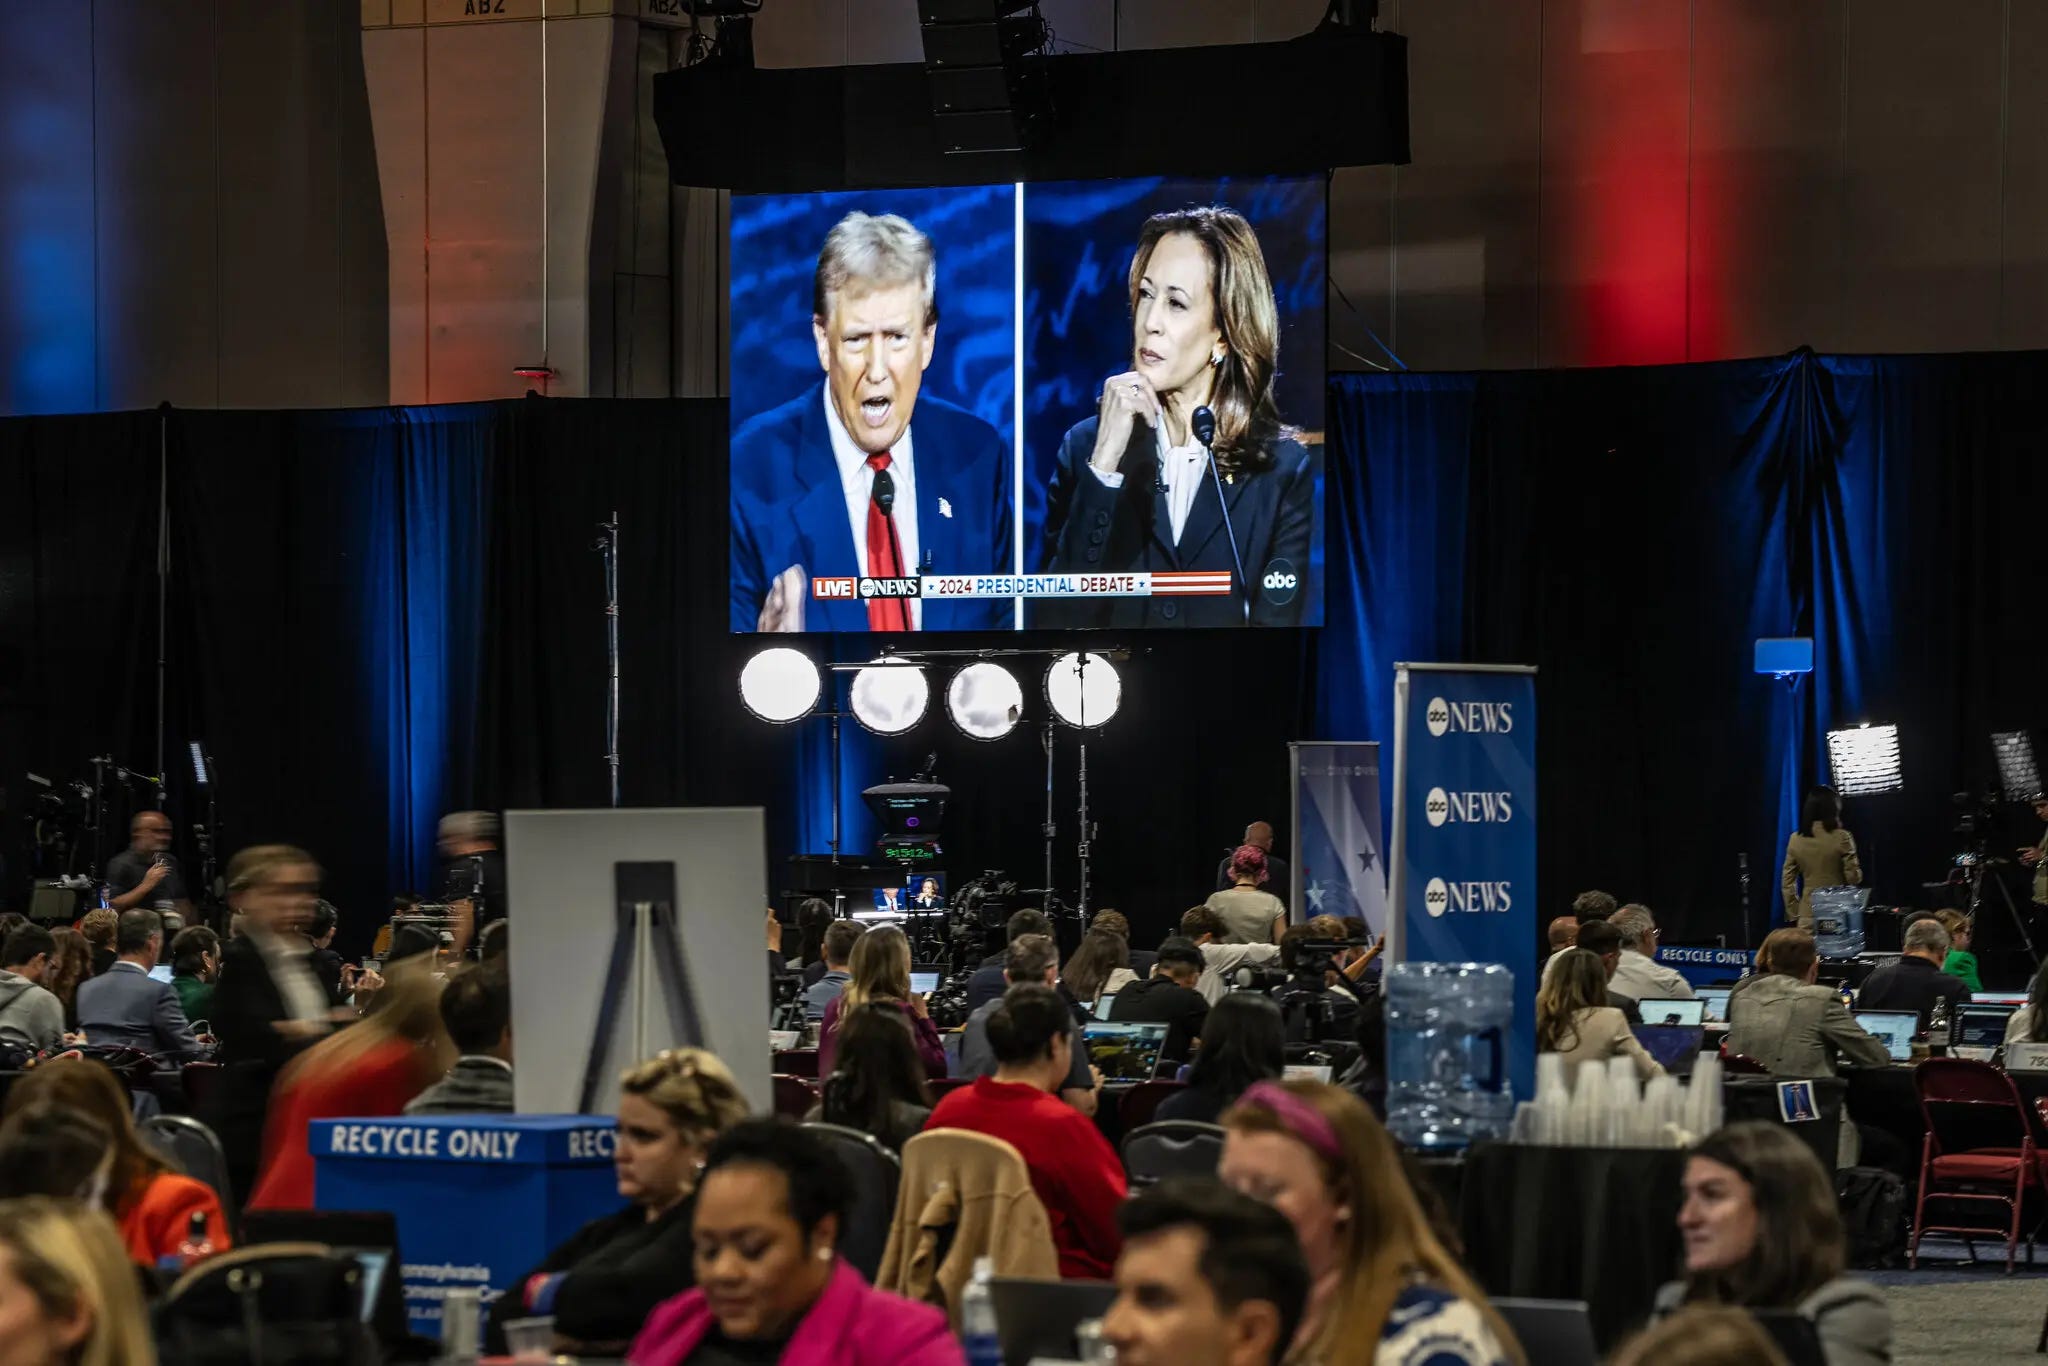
[1639, 976]
[856, 479]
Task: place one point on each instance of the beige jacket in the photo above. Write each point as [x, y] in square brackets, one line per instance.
[1797, 1030]
[1827, 859]
[978, 1188]
[1603, 1033]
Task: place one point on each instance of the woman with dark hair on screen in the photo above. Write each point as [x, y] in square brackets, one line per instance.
[1133, 489]
[1819, 854]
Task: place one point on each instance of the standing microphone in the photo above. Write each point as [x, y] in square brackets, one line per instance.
[1203, 424]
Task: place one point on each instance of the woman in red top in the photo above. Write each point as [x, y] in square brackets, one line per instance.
[880, 968]
[152, 1204]
[1076, 1173]
[369, 1069]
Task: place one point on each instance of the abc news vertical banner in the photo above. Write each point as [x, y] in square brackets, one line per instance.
[1464, 868]
[1338, 866]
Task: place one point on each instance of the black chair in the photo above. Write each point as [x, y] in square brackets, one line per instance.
[1553, 1332]
[195, 1151]
[1172, 1147]
[877, 1173]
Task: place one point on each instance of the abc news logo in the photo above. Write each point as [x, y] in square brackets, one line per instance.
[851, 588]
[1280, 583]
[1441, 898]
[1468, 808]
[1473, 718]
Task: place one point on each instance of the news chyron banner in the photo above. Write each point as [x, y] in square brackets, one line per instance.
[1339, 864]
[1464, 838]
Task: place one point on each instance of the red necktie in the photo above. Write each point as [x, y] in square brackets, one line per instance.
[884, 614]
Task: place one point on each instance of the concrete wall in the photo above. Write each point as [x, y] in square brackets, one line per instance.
[193, 207]
[1641, 181]
[188, 206]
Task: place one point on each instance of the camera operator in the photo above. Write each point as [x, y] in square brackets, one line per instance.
[146, 873]
[2036, 857]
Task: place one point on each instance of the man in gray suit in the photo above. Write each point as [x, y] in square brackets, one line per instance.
[1790, 1025]
[125, 1005]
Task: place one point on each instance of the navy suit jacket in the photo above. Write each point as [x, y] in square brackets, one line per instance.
[788, 508]
[125, 1005]
[1092, 528]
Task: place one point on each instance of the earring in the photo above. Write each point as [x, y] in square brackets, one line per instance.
[1216, 359]
[824, 1254]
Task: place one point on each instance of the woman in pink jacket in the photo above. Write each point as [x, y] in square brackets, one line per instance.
[769, 1285]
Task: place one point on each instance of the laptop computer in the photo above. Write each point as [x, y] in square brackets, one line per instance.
[1981, 1028]
[1675, 1047]
[1037, 1319]
[1673, 1011]
[1716, 1001]
[1124, 1051]
[2015, 999]
[1554, 1332]
[1892, 1028]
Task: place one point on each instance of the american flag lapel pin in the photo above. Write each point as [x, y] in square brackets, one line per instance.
[945, 508]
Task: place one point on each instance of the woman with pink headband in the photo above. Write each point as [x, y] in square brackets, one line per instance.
[1377, 1273]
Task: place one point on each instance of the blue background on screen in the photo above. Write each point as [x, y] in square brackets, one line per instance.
[774, 255]
[1079, 240]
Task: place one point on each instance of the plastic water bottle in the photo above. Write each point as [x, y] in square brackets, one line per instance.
[1447, 1083]
[1838, 920]
[978, 1318]
[1939, 1034]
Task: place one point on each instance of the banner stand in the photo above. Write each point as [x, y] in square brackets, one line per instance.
[1463, 873]
[1338, 867]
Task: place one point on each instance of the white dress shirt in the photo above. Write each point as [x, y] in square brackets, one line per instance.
[1184, 468]
[857, 481]
[1641, 978]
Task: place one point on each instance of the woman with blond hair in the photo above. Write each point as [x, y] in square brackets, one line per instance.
[1701, 1337]
[880, 971]
[1574, 1020]
[68, 1296]
[1378, 1274]
[601, 1284]
[369, 1069]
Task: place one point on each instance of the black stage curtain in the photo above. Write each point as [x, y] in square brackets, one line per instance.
[379, 615]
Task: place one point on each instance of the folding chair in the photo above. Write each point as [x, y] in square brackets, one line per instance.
[1978, 1149]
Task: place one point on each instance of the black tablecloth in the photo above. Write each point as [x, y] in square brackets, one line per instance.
[1592, 1224]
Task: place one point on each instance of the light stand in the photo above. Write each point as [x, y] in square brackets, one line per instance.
[608, 546]
[1087, 829]
[1050, 830]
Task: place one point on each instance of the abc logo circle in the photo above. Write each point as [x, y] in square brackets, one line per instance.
[1280, 583]
[1436, 898]
[1438, 716]
[867, 588]
[1437, 806]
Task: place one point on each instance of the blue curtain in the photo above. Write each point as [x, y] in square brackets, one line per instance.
[1633, 531]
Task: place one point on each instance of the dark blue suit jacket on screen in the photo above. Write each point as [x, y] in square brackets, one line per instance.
[1092, 528]
[788, 508]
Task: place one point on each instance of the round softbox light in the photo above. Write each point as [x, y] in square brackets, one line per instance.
[985, 701]
[781, 685]
[890, 698]
[1083, 698]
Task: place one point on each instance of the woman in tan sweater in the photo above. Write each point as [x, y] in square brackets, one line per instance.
[1820, 854]
[1574, 1020]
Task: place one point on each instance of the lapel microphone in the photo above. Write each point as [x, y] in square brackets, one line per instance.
[885, 491]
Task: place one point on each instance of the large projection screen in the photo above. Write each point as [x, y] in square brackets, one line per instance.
[999, 382]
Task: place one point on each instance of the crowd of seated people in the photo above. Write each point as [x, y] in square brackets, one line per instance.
[1315, 1240]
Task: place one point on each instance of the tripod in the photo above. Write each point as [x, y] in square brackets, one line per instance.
[1979, 866]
